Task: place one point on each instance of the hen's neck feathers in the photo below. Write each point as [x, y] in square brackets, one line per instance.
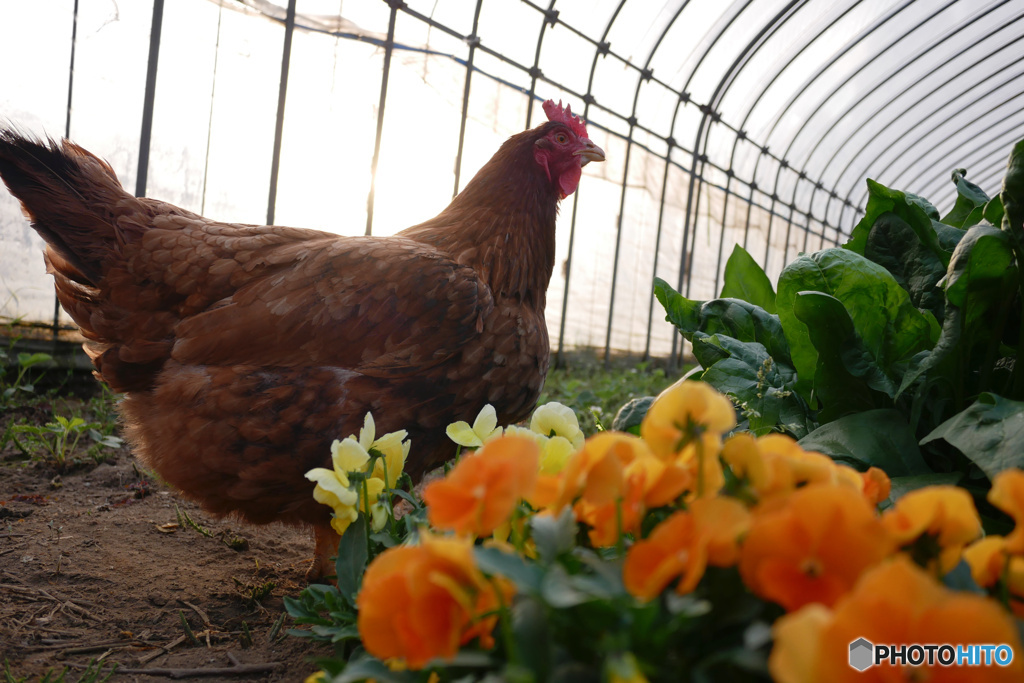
[502, 223]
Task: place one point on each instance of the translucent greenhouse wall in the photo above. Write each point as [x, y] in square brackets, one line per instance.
[723, 123]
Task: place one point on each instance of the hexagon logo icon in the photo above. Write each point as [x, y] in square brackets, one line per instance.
[862, 654]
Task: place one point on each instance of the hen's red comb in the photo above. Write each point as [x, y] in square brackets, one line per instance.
[556, 113]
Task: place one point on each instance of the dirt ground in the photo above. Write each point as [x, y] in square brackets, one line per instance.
[97, 563]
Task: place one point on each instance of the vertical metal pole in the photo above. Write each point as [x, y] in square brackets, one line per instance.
[150, 96]
[71, 70]
[282, 97]
[209, 120]
[388, 49]
[618, 246]
[473, 41]
[67, 135]
[602, 49]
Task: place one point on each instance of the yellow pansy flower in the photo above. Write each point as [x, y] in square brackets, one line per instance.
[554, 419]
[485, 427]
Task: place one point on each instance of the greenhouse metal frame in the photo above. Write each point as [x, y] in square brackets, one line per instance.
[878, 105]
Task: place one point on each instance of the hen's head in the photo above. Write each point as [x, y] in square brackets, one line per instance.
[563, 148]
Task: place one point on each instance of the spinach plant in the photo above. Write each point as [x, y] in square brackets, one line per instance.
[899, 349]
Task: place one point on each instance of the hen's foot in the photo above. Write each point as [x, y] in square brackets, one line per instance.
[325, 547]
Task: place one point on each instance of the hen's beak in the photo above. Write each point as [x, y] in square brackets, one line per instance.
[590, 152]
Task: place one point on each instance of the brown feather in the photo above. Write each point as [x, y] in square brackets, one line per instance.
[245, 350]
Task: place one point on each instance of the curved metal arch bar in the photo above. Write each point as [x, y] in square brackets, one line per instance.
[706, 112]
[535, 70]
[935, 45]
[780, 116]
[892, 74]
[821, 103]
[902, 150]
[473, 42]
[906, 110]
[942, 146]
[742, 135]
[622, 198]
[572, 223]
[710, 112]
[980, 153]
[850, 45]
[703, 130]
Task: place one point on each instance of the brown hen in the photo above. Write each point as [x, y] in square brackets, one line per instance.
[244, 351]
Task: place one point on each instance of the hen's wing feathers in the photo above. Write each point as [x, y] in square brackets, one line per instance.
[383, 306]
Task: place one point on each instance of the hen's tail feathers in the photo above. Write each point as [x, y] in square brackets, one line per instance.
[70, 197]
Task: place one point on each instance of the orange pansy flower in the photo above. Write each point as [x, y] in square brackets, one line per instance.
[1007, 494]
[596, 472]
[895, 603]
[991, 563]
[663, 481]
[609, 519]
[684, 544]
[775, 464]
[481, 491]
[687, 417]
[422, 602]
[987, 560]
[944, 513]
[877, 485]
[812, 545]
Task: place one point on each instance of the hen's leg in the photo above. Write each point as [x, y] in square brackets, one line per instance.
[326, 546]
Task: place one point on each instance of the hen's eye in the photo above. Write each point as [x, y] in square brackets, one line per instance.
[561, 138]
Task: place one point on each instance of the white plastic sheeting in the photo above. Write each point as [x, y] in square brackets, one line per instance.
[789, 106]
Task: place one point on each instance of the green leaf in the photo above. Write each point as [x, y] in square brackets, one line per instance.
[560, 590]
[366, 667]
[970, 202]
[879, 438]
[680, 311]
[738, 319]
[901, 486]
[891, 329]
[917, 212]
[746, 280]
[527, 577]
[630, 415]
[846, 374]
[745, 322]
[553, 535]
[352, 558]
[892, 244]
[26, 360]
[994, 211]
[982, 258]
[762, 385]
[1012, 195]
[532, 632]
[944, 348]
[990, 433]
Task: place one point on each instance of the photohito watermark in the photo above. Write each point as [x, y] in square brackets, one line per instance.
[864, 654]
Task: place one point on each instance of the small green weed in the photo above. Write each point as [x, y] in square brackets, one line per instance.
[596, 393]
[59, 439]
[23, 382]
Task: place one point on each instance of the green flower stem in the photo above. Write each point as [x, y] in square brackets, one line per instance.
[1018, 368]
[620, 543]
[390, 507]
[700, 467]
[366, 516]
[506, 624]
[993, 346]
